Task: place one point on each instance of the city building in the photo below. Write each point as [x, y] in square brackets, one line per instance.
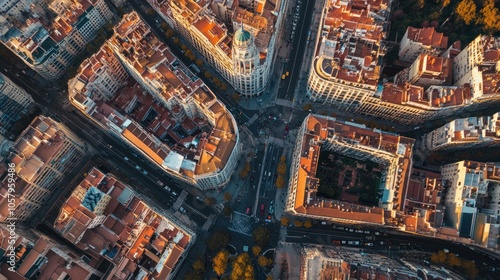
[417, 41]
[165, 111]
[391, 151]
[43, 154]
[39, 257]
[109, 223]
[425, 197]
[48, 35]
[413, 105]
[347, 62]
[466, 133]
[427, 70]
[14, 102]
[473, 187]
[330, 262]
[238, 38]
[478, 65]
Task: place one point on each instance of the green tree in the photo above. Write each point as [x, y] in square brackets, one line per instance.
[199, 62]
[227, 196]
[227, 210]
[193, 275]
[261, 236]
[281, 168]
[219, 239]
[210, 201]
[298, 223]
[263, 261]
[445, 3]
[242, 267]
[256, 250]
[283, 159]
[284, 221]
[235, 96]
[466, 10]
[280, 182]
[219, 262]
[490, 16]
[308, 224]
[199, 265]
[169, 33]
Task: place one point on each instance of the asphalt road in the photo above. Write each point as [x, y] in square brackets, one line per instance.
[327, 235]
[294, 64]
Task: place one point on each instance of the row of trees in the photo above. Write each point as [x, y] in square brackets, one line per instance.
[285, 221]
[245, 171]
[280, 180]
[488, 16]
[468, 268]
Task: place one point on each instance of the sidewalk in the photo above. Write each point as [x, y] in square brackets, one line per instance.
[235, 186]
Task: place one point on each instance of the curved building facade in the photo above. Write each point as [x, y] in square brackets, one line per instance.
[237, 38]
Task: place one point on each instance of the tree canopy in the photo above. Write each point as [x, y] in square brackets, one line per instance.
[261, 236]
[219, 262]
[466, 10]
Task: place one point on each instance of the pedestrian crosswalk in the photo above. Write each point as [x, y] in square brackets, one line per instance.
[284, 102]
[208, 223]
[180, 200]
[252, 119]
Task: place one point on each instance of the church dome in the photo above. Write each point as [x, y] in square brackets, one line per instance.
[242, 35]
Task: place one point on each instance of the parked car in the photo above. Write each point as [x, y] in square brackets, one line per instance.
[182, 210]
[262, 207]
[369, 244]
[167, 188]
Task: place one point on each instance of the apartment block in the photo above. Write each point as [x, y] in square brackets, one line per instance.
[466, 133]
[109, 223]
[479, 65]
[43, 154]
[347, 62]
[158, 106]
[425, 197]
[318, 133]
[417, 41]
[48, 35]
[238, 38]
[426, 71]
[413, 105]
[39, 257]
[14, 102]
[474, 187]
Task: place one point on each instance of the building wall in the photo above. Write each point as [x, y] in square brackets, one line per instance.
[56, 61]
[40, 188]
[251, 83]
[14, 102]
